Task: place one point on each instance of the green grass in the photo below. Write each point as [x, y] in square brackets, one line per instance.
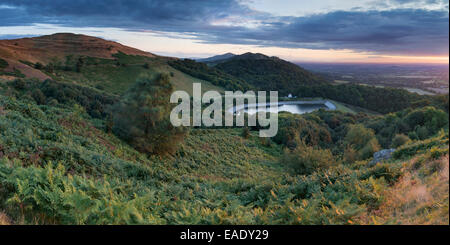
[58, 165]
[57, 168]
[116, 76]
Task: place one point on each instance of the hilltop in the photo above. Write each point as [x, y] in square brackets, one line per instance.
[250, 71]
[46, 48]
[85, 60]
[217, 58]
[268, 73]
[112, 67]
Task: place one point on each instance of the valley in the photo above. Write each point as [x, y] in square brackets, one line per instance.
[428, 79]
[85, 138]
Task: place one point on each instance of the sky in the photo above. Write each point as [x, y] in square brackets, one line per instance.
[353, 31]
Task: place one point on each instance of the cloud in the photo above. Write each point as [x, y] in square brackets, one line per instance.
[403, 31]
[174, 14]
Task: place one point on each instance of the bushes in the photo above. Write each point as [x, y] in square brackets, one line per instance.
[19, 84]
[3, 63]
[245, 132]
[399, 140]
[52, 196]
[418, 124]
[306, 159]
[294, 128]
[383, 100]
[215, 76]
[216, 178]
[38, 96]
[49, 92]
[426, 121]
[38, 66]
[362, 140]
[416, 147]
[141, 118]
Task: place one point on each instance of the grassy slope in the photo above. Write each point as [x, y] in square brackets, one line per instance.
[17, 59]
[117, 78]
[268, 73]
[209, 157]
[421, 193]
[57, 167]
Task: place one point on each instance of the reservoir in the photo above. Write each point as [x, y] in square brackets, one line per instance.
[295, 107]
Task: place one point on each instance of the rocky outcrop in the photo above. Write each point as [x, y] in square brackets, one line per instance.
[380, 156]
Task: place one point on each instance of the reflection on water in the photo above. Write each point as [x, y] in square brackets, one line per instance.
[295, 109]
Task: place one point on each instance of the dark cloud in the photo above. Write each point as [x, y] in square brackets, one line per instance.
[396, 31]
[420, 1]
[161, 14]
[403, 31]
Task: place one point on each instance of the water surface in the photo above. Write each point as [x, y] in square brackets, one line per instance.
[294, 107]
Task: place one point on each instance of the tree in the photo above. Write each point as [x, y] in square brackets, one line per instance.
[38, 66]
[3, 64]
[363, 140]
[141, 118]
[246, 132]
[399, 140]
[38, 96]
[79, 64]
[19, 84]
[307, 159]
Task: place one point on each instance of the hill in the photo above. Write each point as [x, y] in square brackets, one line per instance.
[210, 74]
[250, 71]
[268, 73]
[216, 59]
[85, 60]
[45, 49]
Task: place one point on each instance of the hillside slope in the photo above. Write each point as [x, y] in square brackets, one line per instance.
[214, 60]
[268, 73]
[46, 48]
[85, 60]
[59, 164]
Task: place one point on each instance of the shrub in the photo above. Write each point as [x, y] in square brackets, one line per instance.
[141, 118]
[38, 66]
[363, 140]
[413, 135]
[428, 121]
[369, 149]
[3, 64]
[422, 132]
[295, 129]
[399, 140]
[19, 84]
[306, 159]
[246, 132]
[38, 96]
[358, 136]
[350, 155]
[436, 152]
